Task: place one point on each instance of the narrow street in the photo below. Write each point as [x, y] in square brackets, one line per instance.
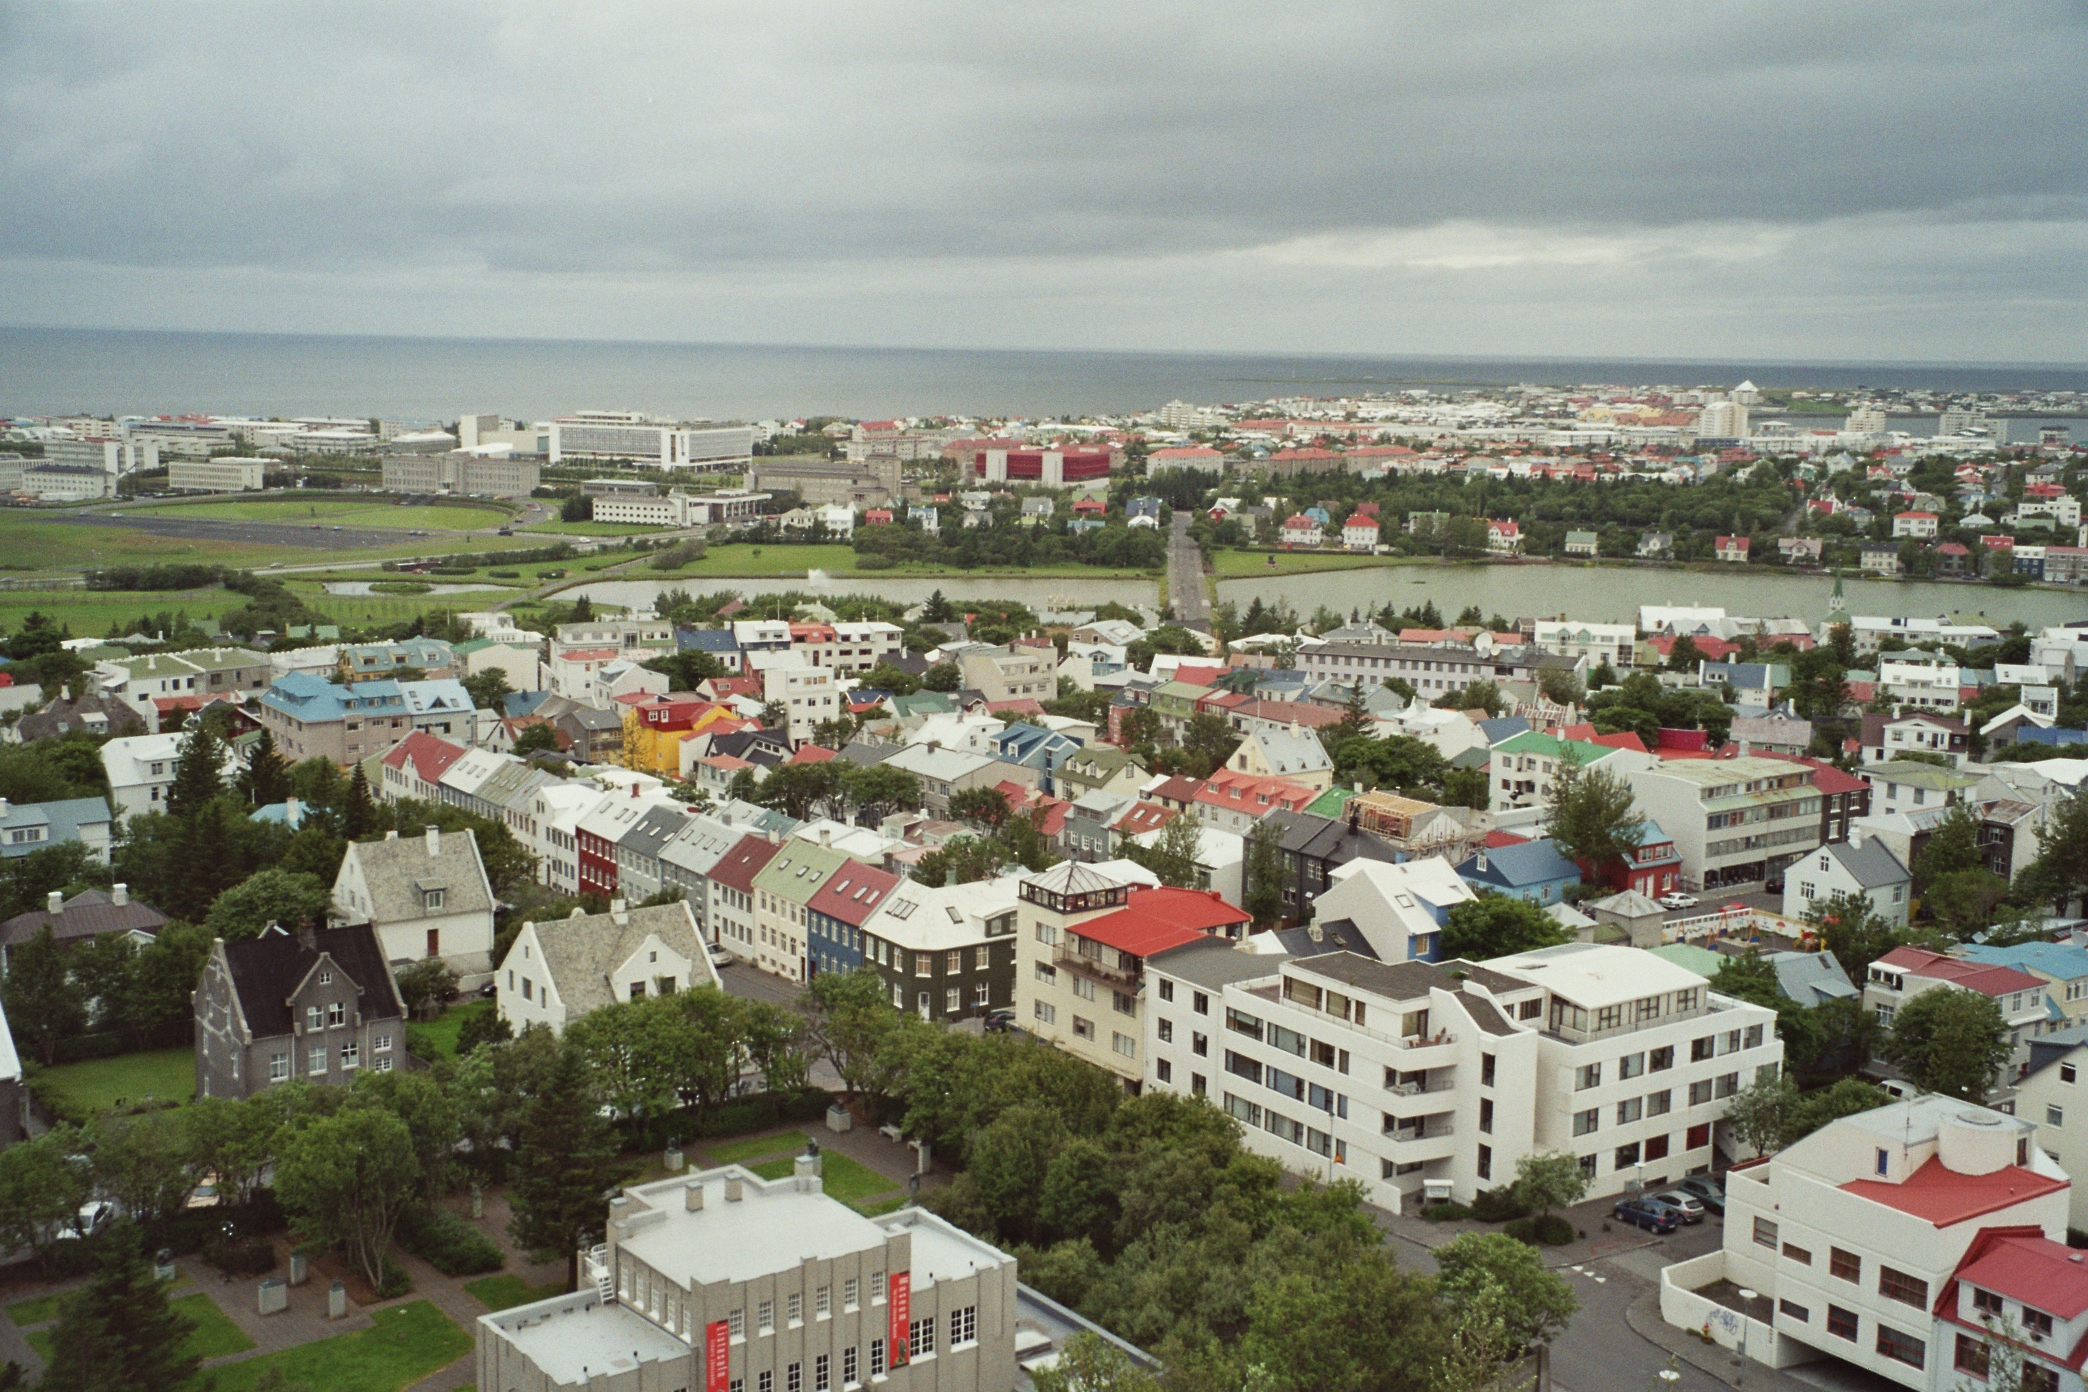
[1186, 589]
[750, 984]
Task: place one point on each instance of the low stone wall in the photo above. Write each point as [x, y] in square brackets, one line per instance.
[1683, 1308]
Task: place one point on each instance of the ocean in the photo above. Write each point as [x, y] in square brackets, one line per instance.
[62, 371]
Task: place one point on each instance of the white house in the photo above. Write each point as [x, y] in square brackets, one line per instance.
[1300, 530]
[1419, 1080]
[1360, 533]
[1294, 753]
[141, 770]
[1868, 1240]
[1399, 909]
[560, 970]
[427, 896]
[1861, 865]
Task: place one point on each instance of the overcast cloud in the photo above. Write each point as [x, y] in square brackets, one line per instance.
[1821, 180]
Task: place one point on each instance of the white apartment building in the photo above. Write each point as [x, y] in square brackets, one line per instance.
[1012, 673]
[1870, 633]
[1417, 1081]
[223, 475]
[1867, 1240]
[141, 769]
[726, 1281]
[697, 445]
[679, 509]
[1615, 644]
[1734, 821]
[807, 695]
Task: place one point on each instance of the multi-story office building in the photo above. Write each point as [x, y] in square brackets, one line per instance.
[1735, 821]
[1011, 673]
[223, 475]
[1417, 1080]
[680, 509]
[697, 445]
[492, 471]
[723, 1280]
[1430, 671]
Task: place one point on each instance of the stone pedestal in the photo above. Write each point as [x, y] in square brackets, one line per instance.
[275, 1295]
[163, 1265]
[675, 1160]
[838, 1120]
[336, 1301]
[299, 1272]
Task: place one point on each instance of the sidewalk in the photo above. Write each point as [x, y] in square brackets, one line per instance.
[1643, 1315]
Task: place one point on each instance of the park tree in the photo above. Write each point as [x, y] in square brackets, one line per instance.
[41, 1189]
[1684, 655]
[142, 1162]
[1812, 1110]
[985, 808]
[1494, 925]
[538, 738]
[487, 687]
[850, 1022]
[45, 1006]
[1760, 1113]
[2060, 872]
[1208, 741]
[943, 676]
[1090, 1363]
[565, 1158]
[1263, 896]
[234, 1140]
[1854, 932]
[425, 987]
[1950, 1041]
[1593, 819]
[1952, 849]
[1548, 1180]
[347, 1179]
[359, 814]
[801, 791]
[269, 896]
[875, 791]
[1175, 853]
[1497, 1277]
[118, 1333]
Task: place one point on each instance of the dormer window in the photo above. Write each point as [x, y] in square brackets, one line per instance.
[432, 899]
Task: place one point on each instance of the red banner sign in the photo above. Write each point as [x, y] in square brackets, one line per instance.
[717, 1356]
[901, 1306]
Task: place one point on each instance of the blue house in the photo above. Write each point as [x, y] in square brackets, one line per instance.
[1532, 870]
[1033, 746]
[36, 826]
[718, 642]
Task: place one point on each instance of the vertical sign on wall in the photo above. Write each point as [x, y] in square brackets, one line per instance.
[717, 1356]
[901, 1306]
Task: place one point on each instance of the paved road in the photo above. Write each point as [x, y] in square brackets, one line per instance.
[749, 984]
[1185, 578]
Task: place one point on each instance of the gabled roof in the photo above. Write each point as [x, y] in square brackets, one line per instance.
[1973, 976]
[737, 868]
[853, 893]
[1156, 919]
[267, 970]
[1530, 863]
[88, 914]
[1870, 864]
[397, 871]
[429, 756]
[579, 953]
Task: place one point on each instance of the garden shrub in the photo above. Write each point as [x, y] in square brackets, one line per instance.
[449, 1244]
[396, 1282]
[1498, 1205]
[1444, 1212]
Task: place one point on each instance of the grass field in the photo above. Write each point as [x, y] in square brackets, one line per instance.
[756, 1147]
[789, 562]
[507, 1290]
[90, 613]
[406, 1343]
[98, 1084]
[41, 1310]
[841, 1177]
[32, 546]
[340, 512]
[441, 1035]
[592, 529]
[213, 1336]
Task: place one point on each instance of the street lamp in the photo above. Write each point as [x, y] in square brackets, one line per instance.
[1747, 1300]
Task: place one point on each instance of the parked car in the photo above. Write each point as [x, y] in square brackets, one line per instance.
[1678, 900]
[1000, 1022]
[720, 955]
[1653, 1217]
[1692, 1207]
[1706, 1192]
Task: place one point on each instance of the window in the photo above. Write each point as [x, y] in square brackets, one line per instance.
[765, 1317]
[877, 1365]
[278, 1066]
[2055, 1116]
[953, 1000]
[336, 1014]
[1486, 1070]
[1794, 1311]
[765, 1381]
[1661, 1059]
[1200, 1045]
[1898, 1285]
[848, 1366]
[736, 1324]
[1585, 1122]
[2036, 1377]
[920, 1337]
[1166, 1030]
[315, 1061]
[1046, 1013]
[794, 1307]
[431, 898]
[794, 1378]
[1083, 1029]
[1629, 1110]
[1699, 1136]
[848, 1293]
[1659, 1103]
[1165, 1070]
[1728, 1084]
[1902, 1348]
[1627, 1156]
[822, 1373]
[351, 1056]
[1841, 1323]
[1486, 1115]
[1973, 1356]
[1844, 1265]
[964, 1326]
[1884, 1165]
[1047, 973]
[1125, 1004]
[1765, 1233]
[1166, 989]
[1587, 1166]
[1701, 1049]
[1656, 1149]
[1588, 1075]
[2036, 1323]
[2066, 1070]
[1609, 1017]
[823, 1302]
[1631, 1065]
[1083, 988]
[1529, 1010]
[1700, 1092]
[1754, 1037]
[1793, 1252]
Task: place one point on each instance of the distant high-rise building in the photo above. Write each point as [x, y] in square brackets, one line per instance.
[702, 445]
[1956, 422]
[1722, 420]
[1870, 420]
[1746, 394]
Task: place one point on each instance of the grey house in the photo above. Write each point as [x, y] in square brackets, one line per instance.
[316, 1005]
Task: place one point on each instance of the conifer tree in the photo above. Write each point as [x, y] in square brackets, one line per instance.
[199, 772]
[564, 1162]
[358, 809]
[266, 779]
[118, 1333]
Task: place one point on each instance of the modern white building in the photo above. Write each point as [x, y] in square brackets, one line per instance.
[696, 445]
[1869, 1242]
[807, 695]
[222, 475]
[1421, 1080]
[723, 1280]
[1734, 821]
[1615, 644]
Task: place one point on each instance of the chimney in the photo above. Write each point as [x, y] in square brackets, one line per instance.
[806, 1170]
[308, 939]
[3, 807]
[634, 790]
[620, 910]
[434, 842]
[119, 894]
[55, 903]
[290, 810]
[735, 1188]
[826, 836]
[692, 1196]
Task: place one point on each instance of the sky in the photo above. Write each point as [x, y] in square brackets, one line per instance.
[1837, 179]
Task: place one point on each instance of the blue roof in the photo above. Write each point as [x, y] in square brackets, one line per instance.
[1527, 863]
[1505, 727]
[61, 821]
[713, 640]
[306, 697]
[280, 812]
[2062, 960]
[516, 704]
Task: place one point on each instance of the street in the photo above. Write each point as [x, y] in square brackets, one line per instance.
[747, 983]
[1185, 578]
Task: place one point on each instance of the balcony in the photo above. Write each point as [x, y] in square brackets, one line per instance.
[1106, 963]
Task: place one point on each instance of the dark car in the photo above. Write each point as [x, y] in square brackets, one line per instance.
[1707, 1191]
[1644, 1213]
[1001, 1022]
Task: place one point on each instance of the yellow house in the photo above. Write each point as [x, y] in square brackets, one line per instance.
[655, 726]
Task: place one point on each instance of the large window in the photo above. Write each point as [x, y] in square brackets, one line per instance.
[1898, 1285]
[1973, 1356]
[1765, 1233]
[1902, 1348]
[1844, 1264]
[1585, 1122]
[1841, 1323]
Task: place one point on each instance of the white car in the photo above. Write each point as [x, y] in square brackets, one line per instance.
[720, 956]
[1678, 901]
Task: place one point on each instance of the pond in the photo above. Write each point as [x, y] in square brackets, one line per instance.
[1613, 594]
[362, 587]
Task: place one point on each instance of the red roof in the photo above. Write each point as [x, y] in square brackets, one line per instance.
[1298, 521]
[1143, 817]
[1622, 740]
[1304, 713]
[1733, 543]
[852, 892]
[1973, 976]
[428, 755]
[1156, 919]
[1230, 788]
[722, 687]
[1359, 520]
[743, 862]
[1025, 705]
[1199, 674]
[2029, 1267]
[1497, 838]
[1944, 1197]
[810, 754]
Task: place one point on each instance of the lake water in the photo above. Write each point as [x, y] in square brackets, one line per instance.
[362, 587]
[57, 371]
[1607, 594]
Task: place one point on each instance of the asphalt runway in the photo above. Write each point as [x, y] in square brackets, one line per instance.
[325, 538]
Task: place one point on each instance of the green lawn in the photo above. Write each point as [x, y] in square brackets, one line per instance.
[98, 1084]
[756, 1147]
[840, 1177]
[341, 512]
[507, 1290]
[214, 1335]
[592, 529]
[407, 1343]
[41, 1310]
[29, 545]
[786, 561]
[441, 1035]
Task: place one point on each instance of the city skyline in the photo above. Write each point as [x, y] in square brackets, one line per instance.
[1341, 179]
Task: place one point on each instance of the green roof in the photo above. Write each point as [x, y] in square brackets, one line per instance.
[1329, 803]
[1551, 746]
[1915, 774]
[798, 870]
[1688, 956]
